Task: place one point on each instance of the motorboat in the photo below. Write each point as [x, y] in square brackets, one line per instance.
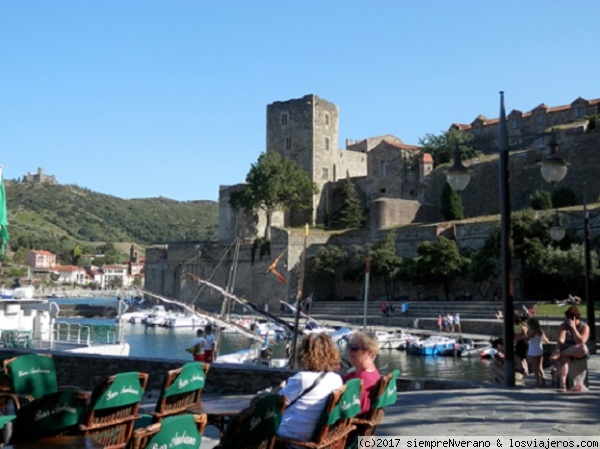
[17, 293]
[433, 345]
[35, 324]
[184, 320]
[156, 317]
[395, 339]
[466, 348]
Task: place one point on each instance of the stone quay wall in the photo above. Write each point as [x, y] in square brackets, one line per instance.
[88, 370]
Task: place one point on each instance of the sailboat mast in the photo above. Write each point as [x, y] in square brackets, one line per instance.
[298, 299]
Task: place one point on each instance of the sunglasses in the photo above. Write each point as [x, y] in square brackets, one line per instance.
[355, 348]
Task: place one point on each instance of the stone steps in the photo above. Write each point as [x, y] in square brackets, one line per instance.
[417, 309]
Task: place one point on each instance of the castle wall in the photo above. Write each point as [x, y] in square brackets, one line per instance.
[234, 223]
[392, 173]
[481, 197]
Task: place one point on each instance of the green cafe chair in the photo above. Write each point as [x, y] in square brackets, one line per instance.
[30, 376]
[53, 414]
[181, 390]
[334, 426]
[256, 426]
[181, 431]
[113, 409]
[383, 395]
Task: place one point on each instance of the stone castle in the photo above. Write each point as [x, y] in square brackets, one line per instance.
[398, 185]
[40, 177]
[393, 179]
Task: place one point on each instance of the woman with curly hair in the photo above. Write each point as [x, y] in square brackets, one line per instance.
[306, 392]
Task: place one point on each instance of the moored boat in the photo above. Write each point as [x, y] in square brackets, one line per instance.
[184, 320]
[33, 324]
[433, 345]
[395, 339]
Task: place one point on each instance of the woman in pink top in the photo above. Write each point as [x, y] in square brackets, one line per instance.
[362, 350]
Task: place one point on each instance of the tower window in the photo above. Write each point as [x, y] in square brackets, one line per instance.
[325, 173]
[382, 169]
[579, 111]
[288, 143]
[514, 124]
[326, 119]
[539, 119]
[327, 143]
[284, 118]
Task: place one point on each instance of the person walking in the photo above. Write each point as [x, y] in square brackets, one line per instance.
[536, 338]
[456, 322]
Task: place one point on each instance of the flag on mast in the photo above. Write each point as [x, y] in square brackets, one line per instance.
[3, 212]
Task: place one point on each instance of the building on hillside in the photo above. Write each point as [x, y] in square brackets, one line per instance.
[40, 177]
[116, 276]
[70, 274]
[531, 128]
[41, 259]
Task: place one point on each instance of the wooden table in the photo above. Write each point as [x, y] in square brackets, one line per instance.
[64, 442]
[219, 410]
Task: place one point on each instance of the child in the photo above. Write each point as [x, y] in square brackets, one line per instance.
[198, 349]
[209, 344]
[537, 338]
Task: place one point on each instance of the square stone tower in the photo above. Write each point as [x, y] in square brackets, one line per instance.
[306, 130]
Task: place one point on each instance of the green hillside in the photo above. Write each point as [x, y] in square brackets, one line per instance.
[59, 217]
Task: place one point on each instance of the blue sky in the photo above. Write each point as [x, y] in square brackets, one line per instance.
[148, 98]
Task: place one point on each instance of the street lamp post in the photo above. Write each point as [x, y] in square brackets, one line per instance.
[506, 250]
[556, 169]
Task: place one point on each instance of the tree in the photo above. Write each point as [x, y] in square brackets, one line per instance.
[273, 183]
[563, 197]
[451, 206]
[385, 261]
[326, 264]
[540, 200]
[350, 214]
[442, 260]
[441, 146]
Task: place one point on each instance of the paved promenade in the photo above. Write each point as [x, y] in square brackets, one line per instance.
[491, 411]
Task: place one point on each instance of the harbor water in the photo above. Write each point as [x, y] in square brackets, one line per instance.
[171, 343]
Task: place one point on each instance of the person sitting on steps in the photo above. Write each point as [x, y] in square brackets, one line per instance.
[572, 340]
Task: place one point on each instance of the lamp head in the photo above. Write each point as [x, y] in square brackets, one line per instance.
[458, 176]
[554, 167]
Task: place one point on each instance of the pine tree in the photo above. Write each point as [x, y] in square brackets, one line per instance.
[452, 208]
[350, 214]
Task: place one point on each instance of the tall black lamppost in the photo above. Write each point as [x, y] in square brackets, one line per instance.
[506, 278]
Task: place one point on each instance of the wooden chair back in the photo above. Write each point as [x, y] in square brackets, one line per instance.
[181, 389]
[183, 430]
[37, 375]
[113, 409]
[256, 426]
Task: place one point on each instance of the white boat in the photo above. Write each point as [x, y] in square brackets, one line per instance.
[184, 320]
[156, 317]
[33, 323]
[24, 292]
[395, 339]
[433, 345]
[6, 293]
